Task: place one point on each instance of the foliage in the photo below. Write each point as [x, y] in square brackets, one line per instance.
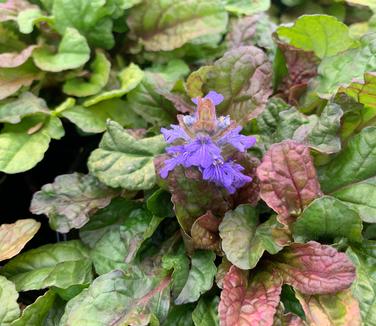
[232, 180]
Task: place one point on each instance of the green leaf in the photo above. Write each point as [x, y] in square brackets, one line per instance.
[327, 218]
[97, 25]
[180, 315]
[106, 219]
[364, 287]
[9, 309]
[26, 20]
[23, 145]
[361, 197]
[343, 68]
[147, 101]
[93, 119]
[12, 79]
[244, 7]
[179, 263]
[129, 78]
[159, 203]
[244, 77]
[62, 264]
[121, 295]
[152, 23]
[36, 313]
[73, 52]
[13, 237]
[206, 312]
[354, 164]
[123, 161]
[98, 78]
[26, 104]
[200, 278]
[70, 200]
[118, 246]
[322, 34]
[243, 241]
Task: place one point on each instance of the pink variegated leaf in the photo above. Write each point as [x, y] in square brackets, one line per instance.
[313, 268]
[249, 304]
[15, 59]
[288, 180]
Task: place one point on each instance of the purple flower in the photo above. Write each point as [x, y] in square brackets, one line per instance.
[202, 152]
[226, 174]
[215, 97]
[177, 132]
[240, 142]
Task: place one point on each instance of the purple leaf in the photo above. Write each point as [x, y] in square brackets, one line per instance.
[288, 180]
[313, 268]
[249, 304]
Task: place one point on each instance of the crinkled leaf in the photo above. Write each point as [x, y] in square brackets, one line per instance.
[301, 67]
[12, 79]
[288, 180]
[322, 132]
[206, 312]
[73, 52]
[148, 100]
[15, 59]
[364, 286]
[339, 309]
[243, 77]
[243, 240]
[196, 80]
[123, 161]
[288, 319]
[353, 165]
[157, 29]
[129, 78]
[322, 34]
[13, 237]
[343, 68]
[26, 19]
[106, 219]
[36, 313]
[97, 25]
[313, 268]
[200, 277]
[62, 264]
[204, 232]
[360, 196]
[249, 304]
[23, 145]
[98, 78]
[26, 104]
[252, 30]
[69, 201]
[93, 119]
[244, 7]
[327, 218]
[9, 309]
[118, 246]
[122, 296]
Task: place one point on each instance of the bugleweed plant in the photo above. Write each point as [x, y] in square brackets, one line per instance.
[232, 180]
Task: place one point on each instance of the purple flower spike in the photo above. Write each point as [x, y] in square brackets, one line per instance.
[215, 97]
[240, 142]
[177, 132]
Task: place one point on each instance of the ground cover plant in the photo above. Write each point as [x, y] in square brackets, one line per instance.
[170, 162]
